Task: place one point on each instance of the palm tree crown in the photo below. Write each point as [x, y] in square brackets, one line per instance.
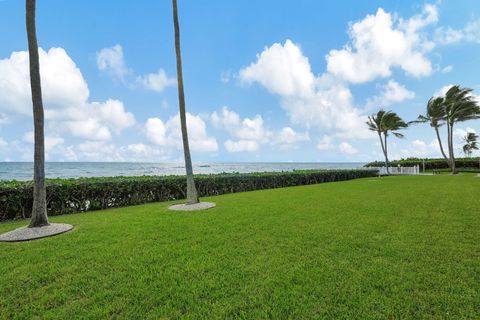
[435, 114]
[471, 143]
[460, 105]
[384, 123]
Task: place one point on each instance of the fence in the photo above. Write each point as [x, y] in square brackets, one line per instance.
[382, 171]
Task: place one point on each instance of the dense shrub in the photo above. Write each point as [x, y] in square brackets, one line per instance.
[77, 195]
[430, 164]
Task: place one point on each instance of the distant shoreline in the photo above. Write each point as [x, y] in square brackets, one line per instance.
[23, 171]
[195, 163]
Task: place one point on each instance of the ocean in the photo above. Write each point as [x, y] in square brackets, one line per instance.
[24, 170]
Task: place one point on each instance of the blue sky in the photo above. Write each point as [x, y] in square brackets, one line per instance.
[264, 80]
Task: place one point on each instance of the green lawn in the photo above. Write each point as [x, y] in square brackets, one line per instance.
[448, 171]
[389, 248]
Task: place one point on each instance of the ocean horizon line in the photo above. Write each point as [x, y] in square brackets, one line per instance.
[79, 169]
[181, 162]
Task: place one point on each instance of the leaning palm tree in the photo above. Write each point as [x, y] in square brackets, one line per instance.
[39, 209]
[460, 106]
[471, 143]
[384, 123]
[192, 196]
[435, 116]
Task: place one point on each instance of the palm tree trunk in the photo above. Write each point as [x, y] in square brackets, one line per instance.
[449, 162]
[384, 152]
[192, 196]
[39, 209]
[441, 145]
[450, 148]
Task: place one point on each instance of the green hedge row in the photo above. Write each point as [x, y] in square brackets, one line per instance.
[77, 195]
[430, 164]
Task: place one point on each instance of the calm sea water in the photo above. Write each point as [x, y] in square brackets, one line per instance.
[24, 170]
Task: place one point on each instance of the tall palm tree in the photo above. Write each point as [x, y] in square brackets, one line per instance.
[436, 117]
[192, 196]
[471, 143]
[39, 209]
[460, 106]
[384, 123]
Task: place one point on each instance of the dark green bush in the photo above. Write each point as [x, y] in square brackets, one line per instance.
[430, 164]
[77, 195]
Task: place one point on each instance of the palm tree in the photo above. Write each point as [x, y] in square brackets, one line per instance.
[39, 209]
[192, 196]
[384, 123]
[460, 106]
[471, 143]
[436, 116]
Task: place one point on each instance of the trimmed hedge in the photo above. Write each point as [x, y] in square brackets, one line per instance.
[77, 195]
[430, 164]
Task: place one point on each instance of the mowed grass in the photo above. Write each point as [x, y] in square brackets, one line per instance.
[389, 248]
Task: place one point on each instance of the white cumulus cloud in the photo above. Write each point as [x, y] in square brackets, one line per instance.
[447, 69]
[287, 138]
[420, 149]
[392, 92]
[460, 133]
[142, 152]
[51, 142]
[320, 102]
[3, 143]
[111, 60]
[381, 42]
[251, 133]
[282, 69]
[241, 146]
[469, 33]
[63, 85]
[325, 143]
[65, 96]
[347, 148]
[169, 133]
[156, 81]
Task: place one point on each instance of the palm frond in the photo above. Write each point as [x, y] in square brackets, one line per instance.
[460, 105]
[385, 122]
